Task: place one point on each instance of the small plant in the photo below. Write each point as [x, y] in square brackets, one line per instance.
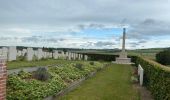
[41, 74]
[21, 58]
[24, 75]
[43, 58]
[35, 58]
[79, 66]
[91, 63]
[134, 79]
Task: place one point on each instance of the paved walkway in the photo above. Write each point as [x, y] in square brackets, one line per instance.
[113, 83]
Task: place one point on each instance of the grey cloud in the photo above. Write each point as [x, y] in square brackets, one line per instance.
[101, 43]
[5, 38]
[149, 28]
[31, 39]
[134, 44]
[91, 25]
[37, 39]
[65, 12]
[146, 19]
[142, 41]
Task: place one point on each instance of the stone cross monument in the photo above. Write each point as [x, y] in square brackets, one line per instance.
[124, 37]
[122, 59]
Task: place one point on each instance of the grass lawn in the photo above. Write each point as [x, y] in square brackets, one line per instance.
[113, 83]
[22, 64]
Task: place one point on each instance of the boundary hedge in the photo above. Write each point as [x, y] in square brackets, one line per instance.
[156, 78]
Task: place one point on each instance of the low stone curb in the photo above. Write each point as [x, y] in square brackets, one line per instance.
[28, 69]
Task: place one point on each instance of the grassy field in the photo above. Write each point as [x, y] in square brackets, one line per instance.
[22, 64]
[113, 83]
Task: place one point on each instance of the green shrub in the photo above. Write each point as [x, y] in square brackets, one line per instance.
[79, 66]
[21, 58]
[101, 57]
[91, 63]
[156, 78]
[24, 75]
[163, 57]
[41, 74]
[35, 58]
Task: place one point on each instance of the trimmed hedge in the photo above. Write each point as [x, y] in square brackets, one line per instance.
[163, 57]
[156, 78]
[101, 57]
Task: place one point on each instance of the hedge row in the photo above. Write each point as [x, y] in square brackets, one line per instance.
[101, 57]
[107, 57]
[156, 78]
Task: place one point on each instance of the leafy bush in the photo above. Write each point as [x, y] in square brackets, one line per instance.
[35, 58]
[19, 89]
[24, 75]
[41, 74]
[156, 78]
[163, 57]
[79, 66]
[91, 63]
[21, 58]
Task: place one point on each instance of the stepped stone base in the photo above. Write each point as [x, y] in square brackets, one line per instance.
[123, 61]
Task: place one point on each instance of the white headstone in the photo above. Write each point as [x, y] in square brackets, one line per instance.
[55, 54]
[44, 54]
[30, 54]
[12, 54]
[24, 51]
[19, 52]
[40, 53]
[140, 73]
[79, 56]
[74, 56]
[51, 55]
[85, 57]
[35, 53]
[62, 55]
[69, 55]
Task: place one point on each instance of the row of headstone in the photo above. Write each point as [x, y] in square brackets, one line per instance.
[11, 54]
[69, 55]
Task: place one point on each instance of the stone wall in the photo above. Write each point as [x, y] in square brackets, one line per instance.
[3, 77]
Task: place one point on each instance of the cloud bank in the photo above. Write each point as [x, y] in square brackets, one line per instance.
[85, 23]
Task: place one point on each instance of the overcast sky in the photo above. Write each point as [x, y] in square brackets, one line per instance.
[85, 23]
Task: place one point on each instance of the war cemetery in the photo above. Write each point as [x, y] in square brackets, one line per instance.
[84, 50]
[29, 73]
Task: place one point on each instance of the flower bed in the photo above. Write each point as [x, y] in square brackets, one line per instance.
[24, 86]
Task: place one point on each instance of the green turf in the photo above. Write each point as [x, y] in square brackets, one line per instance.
[113, 83]
[23, 64]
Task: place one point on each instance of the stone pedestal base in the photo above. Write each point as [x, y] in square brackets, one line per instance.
[123, 61]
